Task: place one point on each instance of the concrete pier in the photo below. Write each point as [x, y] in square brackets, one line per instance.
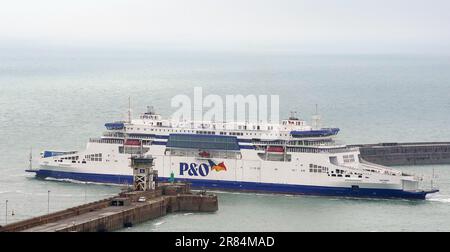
[124, 210]
[422, 153]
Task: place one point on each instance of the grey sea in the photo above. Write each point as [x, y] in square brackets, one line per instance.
[58, 99]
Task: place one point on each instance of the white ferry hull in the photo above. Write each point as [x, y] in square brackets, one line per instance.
[240, 175]
[246, 186]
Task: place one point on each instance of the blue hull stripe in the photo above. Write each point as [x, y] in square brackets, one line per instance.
[159, 143]
[245, 186]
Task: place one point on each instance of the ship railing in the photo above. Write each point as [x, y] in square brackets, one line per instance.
[121, 135]
[319, 150]
[380, 168]
[327, 145]
[322, 142]
[358, 169]
[112, 134]
[107, 141]
[367, 167]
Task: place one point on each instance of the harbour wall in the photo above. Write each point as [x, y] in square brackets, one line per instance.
[419, 153]
[124, 210]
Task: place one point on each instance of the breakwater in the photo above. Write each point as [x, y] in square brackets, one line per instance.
[124, 210]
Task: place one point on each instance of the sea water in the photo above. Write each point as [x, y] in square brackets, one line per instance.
[58, 99]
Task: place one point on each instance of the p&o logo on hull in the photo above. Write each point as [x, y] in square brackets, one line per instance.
[203, 169]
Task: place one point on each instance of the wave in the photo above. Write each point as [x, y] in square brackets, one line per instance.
[84, 182]
[442, 200]
[243, 193]
[159, 223]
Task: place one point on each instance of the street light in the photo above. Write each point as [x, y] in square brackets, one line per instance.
[48, 202]
[6, 213]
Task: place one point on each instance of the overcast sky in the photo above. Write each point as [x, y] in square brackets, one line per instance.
[301, 25]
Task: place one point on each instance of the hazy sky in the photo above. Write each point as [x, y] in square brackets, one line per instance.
[302, 25]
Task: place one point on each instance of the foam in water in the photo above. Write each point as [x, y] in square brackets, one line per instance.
[82, 182]
[159, 223]
[441, 199]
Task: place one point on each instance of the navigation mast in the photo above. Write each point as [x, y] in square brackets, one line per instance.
[30, 166]
[316, 119]
[129, 109]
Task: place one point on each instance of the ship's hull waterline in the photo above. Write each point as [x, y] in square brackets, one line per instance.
[245, 186]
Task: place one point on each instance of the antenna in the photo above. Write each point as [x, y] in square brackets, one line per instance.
[293, 115]
[316, 118]
[150, 110]
[142, 148]
[31, 159]
[432, 178]
[129, 109]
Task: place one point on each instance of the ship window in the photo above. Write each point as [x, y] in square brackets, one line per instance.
[333, 160]
[203, 142]
[349, 158]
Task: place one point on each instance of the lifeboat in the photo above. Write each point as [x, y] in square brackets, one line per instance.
[316, 133]
[276, 149]
[132, 142]
[115, 126]
[204, 154]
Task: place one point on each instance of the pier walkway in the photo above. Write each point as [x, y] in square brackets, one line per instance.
[125, 210]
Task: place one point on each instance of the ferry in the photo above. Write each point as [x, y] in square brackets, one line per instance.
[290, 157]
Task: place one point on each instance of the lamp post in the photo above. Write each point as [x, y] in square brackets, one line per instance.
[6, 213]
[48, 202]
